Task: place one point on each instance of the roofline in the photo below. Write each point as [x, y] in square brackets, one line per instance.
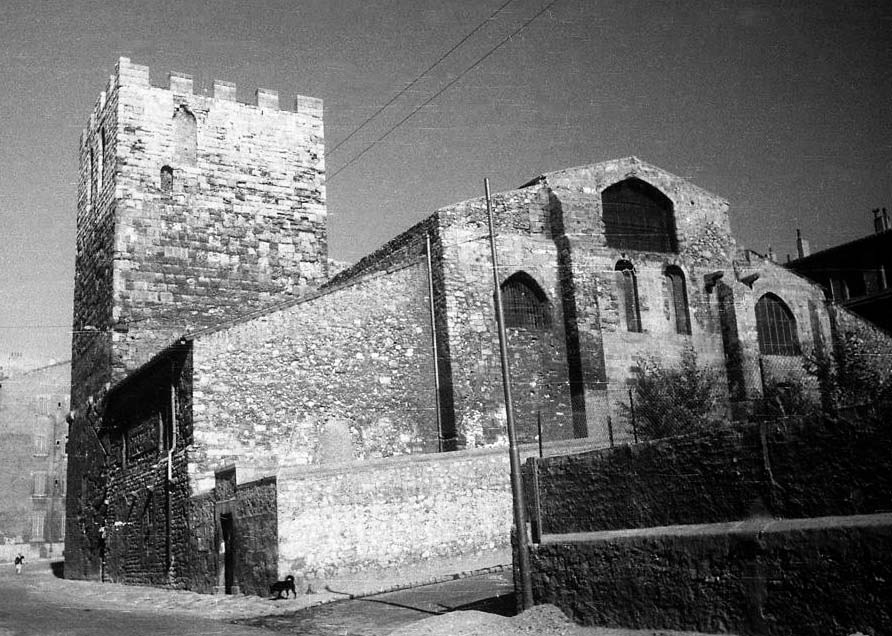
[876, 236]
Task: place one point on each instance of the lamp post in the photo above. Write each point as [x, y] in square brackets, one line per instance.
[520, 525]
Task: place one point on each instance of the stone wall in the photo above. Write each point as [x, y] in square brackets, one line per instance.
[391, 512]
[256, 536]
[538, 358]
[803, 469]
[350, 369]
[815, 577]
[146, 432]
[242, 222]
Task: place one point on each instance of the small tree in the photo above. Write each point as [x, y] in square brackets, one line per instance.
[848, 376]
[674, 400]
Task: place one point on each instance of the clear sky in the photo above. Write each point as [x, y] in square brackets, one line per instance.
[781, 107]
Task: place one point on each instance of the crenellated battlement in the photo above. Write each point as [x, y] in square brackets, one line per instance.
[128, 73]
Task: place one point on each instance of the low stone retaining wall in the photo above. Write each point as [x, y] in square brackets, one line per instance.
[801, 469]
[824, 576]
[389, 513]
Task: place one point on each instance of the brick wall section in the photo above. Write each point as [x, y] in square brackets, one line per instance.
[146, 515]
[820, 468]
[815, 577]
[267, 389]
[390, 512]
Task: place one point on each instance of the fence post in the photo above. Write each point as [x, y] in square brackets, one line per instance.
[632, 414]
[535, 507]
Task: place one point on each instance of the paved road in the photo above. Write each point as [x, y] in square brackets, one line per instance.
[25, 612]
[380, 614]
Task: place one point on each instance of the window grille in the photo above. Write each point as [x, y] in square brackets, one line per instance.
[638, 217]
[678, 300]
[776, 327]
[524, 304]
[628, 286]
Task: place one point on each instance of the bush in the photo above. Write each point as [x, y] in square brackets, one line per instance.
[674, 400]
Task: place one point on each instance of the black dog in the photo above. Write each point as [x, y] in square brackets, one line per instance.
[285, 586]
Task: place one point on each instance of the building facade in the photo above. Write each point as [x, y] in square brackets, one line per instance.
[229, 430]
[33, 433]
[855, 274]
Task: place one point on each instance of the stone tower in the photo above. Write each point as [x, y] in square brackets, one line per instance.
[191, 209]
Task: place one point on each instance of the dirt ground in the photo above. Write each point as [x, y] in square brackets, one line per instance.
[542, 620]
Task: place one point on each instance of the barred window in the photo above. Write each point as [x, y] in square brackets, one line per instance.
[776, 327]
[524, 303]
[628, 287]
[678, 300]
[638, 217]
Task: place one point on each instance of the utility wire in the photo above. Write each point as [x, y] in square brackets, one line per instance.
[479, 61]
[417, 79]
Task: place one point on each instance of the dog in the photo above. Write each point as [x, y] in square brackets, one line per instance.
[285, 587]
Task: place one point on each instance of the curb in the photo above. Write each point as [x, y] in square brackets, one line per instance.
[443, 578]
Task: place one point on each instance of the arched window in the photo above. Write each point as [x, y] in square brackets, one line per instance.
[638, 217]
[678, 300]
[185, 134]
[776, 327]
[628, 286]
[524, 304]
[166, 178]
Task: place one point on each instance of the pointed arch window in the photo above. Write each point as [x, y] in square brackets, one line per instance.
[678, 300]
[776, 327]
[638, 217]
[524, 303]
[628, 286]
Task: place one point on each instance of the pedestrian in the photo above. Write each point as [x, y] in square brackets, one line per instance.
[19, 562]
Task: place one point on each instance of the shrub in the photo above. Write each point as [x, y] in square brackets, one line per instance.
[674, 400]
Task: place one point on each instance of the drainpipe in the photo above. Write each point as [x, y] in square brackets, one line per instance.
[173, 445]
[430, 293]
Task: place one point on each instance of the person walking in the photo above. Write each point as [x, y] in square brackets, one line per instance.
[19, 563]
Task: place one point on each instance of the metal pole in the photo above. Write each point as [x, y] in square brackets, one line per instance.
[430, 291]
[632, 413]
[520, 526]
[539, 425]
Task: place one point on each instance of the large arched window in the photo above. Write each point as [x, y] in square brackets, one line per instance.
[628, 287]
[524, 304]
[638, 217]
[185, 136]
[776, 327]
[678, 299]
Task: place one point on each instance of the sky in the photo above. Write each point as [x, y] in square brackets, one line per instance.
[781, 107]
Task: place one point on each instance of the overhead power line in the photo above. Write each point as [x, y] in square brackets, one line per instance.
[417, 79]
[477, 63]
